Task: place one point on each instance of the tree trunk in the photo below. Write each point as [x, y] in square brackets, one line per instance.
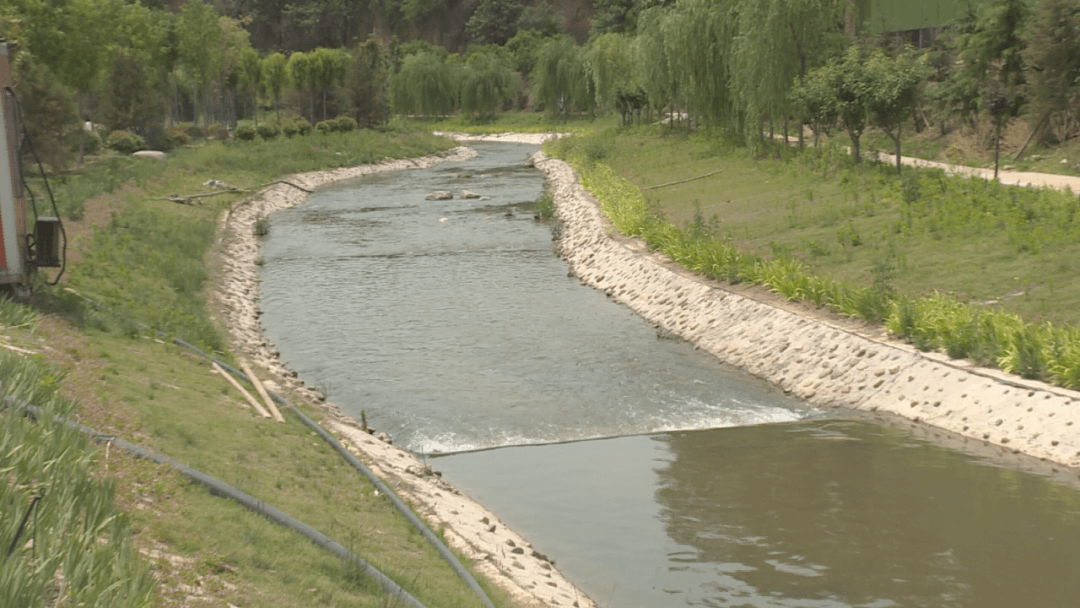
[896, 140]
[82, 123]
[997, 146]
[196, 102]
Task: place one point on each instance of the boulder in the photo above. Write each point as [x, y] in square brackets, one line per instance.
[440, 195]
[152, 154]
[465, 194]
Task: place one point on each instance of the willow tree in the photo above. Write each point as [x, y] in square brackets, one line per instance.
[301, 70]
[200, 40]
[275, 75]
[778, 42]
[487, 82]
[251, 73]
[609, 62]
[425, 85]
[701, 40]
[559, 79]
[651, 66]
[328, 66]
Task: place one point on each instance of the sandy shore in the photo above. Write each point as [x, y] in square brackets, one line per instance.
[829, 363]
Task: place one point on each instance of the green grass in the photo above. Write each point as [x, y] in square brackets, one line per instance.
[75, 547]
[149, 265]
[858, 239]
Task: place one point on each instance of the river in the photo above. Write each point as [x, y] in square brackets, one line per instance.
[653, 474]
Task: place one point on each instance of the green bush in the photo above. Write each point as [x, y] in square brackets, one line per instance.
[289, 129]
[303, 127]
[346, 124]
[174, 137]
[268, 131]
[219, 132]
[326, 127]
[195, 132]
[125, 142]
[245, 133]
[91, 143]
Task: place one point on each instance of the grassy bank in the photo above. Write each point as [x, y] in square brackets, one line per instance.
[147, 261]
[964, 265]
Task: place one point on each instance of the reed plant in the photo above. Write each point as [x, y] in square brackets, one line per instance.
[64, 541]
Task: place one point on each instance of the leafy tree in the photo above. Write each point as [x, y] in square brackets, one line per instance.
[778, 42]
[542, 18]
[251, 74]
[425, 84]
[609, 61]
[275, 75]
[328, 67]
[652, 68]
[559, 79]
[52, 116]
[522, 49]
[486, 83]
[1053, 59]
[131, 103]
[200, 42]
[301, 69]
[895, 83]
[814, 102]
[613, 16]
[71, 38]
[990, 47]
[366, 80]
[852, 83]
[494, 21]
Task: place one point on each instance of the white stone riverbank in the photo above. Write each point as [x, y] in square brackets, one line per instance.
[822, 362]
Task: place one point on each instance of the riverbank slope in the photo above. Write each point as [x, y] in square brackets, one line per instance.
[828, 363]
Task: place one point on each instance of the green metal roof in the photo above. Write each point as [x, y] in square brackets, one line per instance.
[903, 15]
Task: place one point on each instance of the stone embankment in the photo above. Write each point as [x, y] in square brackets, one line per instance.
[824, 363]
[499, 553]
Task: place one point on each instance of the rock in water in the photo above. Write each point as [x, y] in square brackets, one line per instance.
[440, 195]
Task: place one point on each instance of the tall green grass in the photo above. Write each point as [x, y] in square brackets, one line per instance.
[932, 202]
[75, 548]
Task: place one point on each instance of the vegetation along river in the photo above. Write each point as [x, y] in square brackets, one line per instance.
[653, 475]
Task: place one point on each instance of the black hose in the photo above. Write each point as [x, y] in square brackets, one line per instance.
[448, 555]
[223, 489]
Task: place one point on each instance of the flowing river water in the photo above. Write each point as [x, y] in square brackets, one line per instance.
[652, 474]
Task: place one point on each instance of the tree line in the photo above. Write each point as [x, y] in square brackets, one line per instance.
[744, 67]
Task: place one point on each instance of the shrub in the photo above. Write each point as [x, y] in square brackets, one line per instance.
[289, 129]
[303, 126]
[325, 127]
[125, 142]
[91, 142]
[268, 131]
[174, 137]
[346, 124]
[245, 133]
[219, 131]
[195, 132]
